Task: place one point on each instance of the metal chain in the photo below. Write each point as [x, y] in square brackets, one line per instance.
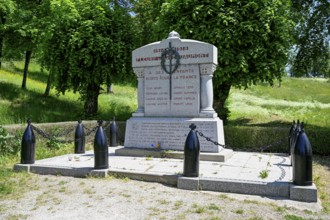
[90, 131]
[107, 125]
[261, 149]
[49, 136]
[66, 132]
[210, 140]
[42, 133]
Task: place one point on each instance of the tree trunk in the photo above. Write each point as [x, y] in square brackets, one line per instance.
[220, 97]
[49, 82]
[28, 54]
[2, 36]
[91, 101]
[1, 43]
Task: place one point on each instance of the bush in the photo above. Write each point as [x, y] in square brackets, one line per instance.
[254, 138]
[9, 144]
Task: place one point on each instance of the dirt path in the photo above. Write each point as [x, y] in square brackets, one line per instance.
[57, 197]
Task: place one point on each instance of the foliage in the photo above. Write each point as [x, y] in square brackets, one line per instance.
[311, 55]
[17, 105]
[6, 9]
[9, 144]
[24, 32]
[254, 138]
[252, 38]
[146, 13]
[89, 44]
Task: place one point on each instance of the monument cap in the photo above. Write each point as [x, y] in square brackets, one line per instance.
[173, 34]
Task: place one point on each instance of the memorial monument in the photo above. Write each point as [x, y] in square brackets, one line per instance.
[175, 89]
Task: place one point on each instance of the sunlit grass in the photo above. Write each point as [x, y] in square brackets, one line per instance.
[16, 105]
[304, 99]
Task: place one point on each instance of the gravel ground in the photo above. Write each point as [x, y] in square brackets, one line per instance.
[58, 197]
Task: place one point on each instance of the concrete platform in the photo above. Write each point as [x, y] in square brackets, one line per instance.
[244, 173]
[222, 156]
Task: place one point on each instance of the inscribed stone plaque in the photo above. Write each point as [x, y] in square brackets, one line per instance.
[174, 94]
[171, 133]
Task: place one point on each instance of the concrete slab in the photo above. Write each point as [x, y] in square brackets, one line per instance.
[221, 156]
[303, 193]
[239, 174]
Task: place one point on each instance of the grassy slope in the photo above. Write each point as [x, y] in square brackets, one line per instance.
[17, 105]
[304, 99]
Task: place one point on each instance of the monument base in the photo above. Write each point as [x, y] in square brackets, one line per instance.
[222, 156]
[171, 133]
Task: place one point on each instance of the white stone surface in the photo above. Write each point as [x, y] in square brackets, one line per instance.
[180, 97]
[174, 92]
[171, 133]
[230, 176]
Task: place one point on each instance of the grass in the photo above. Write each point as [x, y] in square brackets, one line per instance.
[296, 98]
[16, 105]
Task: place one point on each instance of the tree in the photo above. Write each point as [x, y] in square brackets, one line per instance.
[25, 30]
[89, 44]
[6, 9]
[252, 37]
[312, 36]
[146, 13]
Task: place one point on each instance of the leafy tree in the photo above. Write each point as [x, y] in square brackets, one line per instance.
[146, 13]
[88, 44]
[25, 30]
[6, 9]
[252, 38]
[312, 35]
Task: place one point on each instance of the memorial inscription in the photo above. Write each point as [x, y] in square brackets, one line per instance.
[179, 98]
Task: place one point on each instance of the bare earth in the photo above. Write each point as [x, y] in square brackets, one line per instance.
[58, 197]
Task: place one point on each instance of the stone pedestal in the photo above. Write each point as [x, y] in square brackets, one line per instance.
[171, 133]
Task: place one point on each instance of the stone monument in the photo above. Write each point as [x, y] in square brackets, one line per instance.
[175, 89]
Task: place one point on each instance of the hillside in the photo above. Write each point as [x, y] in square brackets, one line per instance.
[306, 99]
[262, 105]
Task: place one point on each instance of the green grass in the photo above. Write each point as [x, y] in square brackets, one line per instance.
[16, 105]
[306, 99]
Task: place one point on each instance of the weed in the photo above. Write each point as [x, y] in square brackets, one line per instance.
[250, 201]
[212, 206]
[62, 189]
[263, 174]
[178, 204]
[200, 210]
[62, 182]
[292, 217]
[163, 202]
[239, 211]
[89, 191]
[126, 195]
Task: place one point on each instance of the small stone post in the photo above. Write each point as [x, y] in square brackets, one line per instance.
[113, 133]
[101, 157]
[302, 162]
[28, 145]
[79, 139]
[191, 154]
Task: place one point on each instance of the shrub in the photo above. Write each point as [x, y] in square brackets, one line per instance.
[9, 144]
[254, 138]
